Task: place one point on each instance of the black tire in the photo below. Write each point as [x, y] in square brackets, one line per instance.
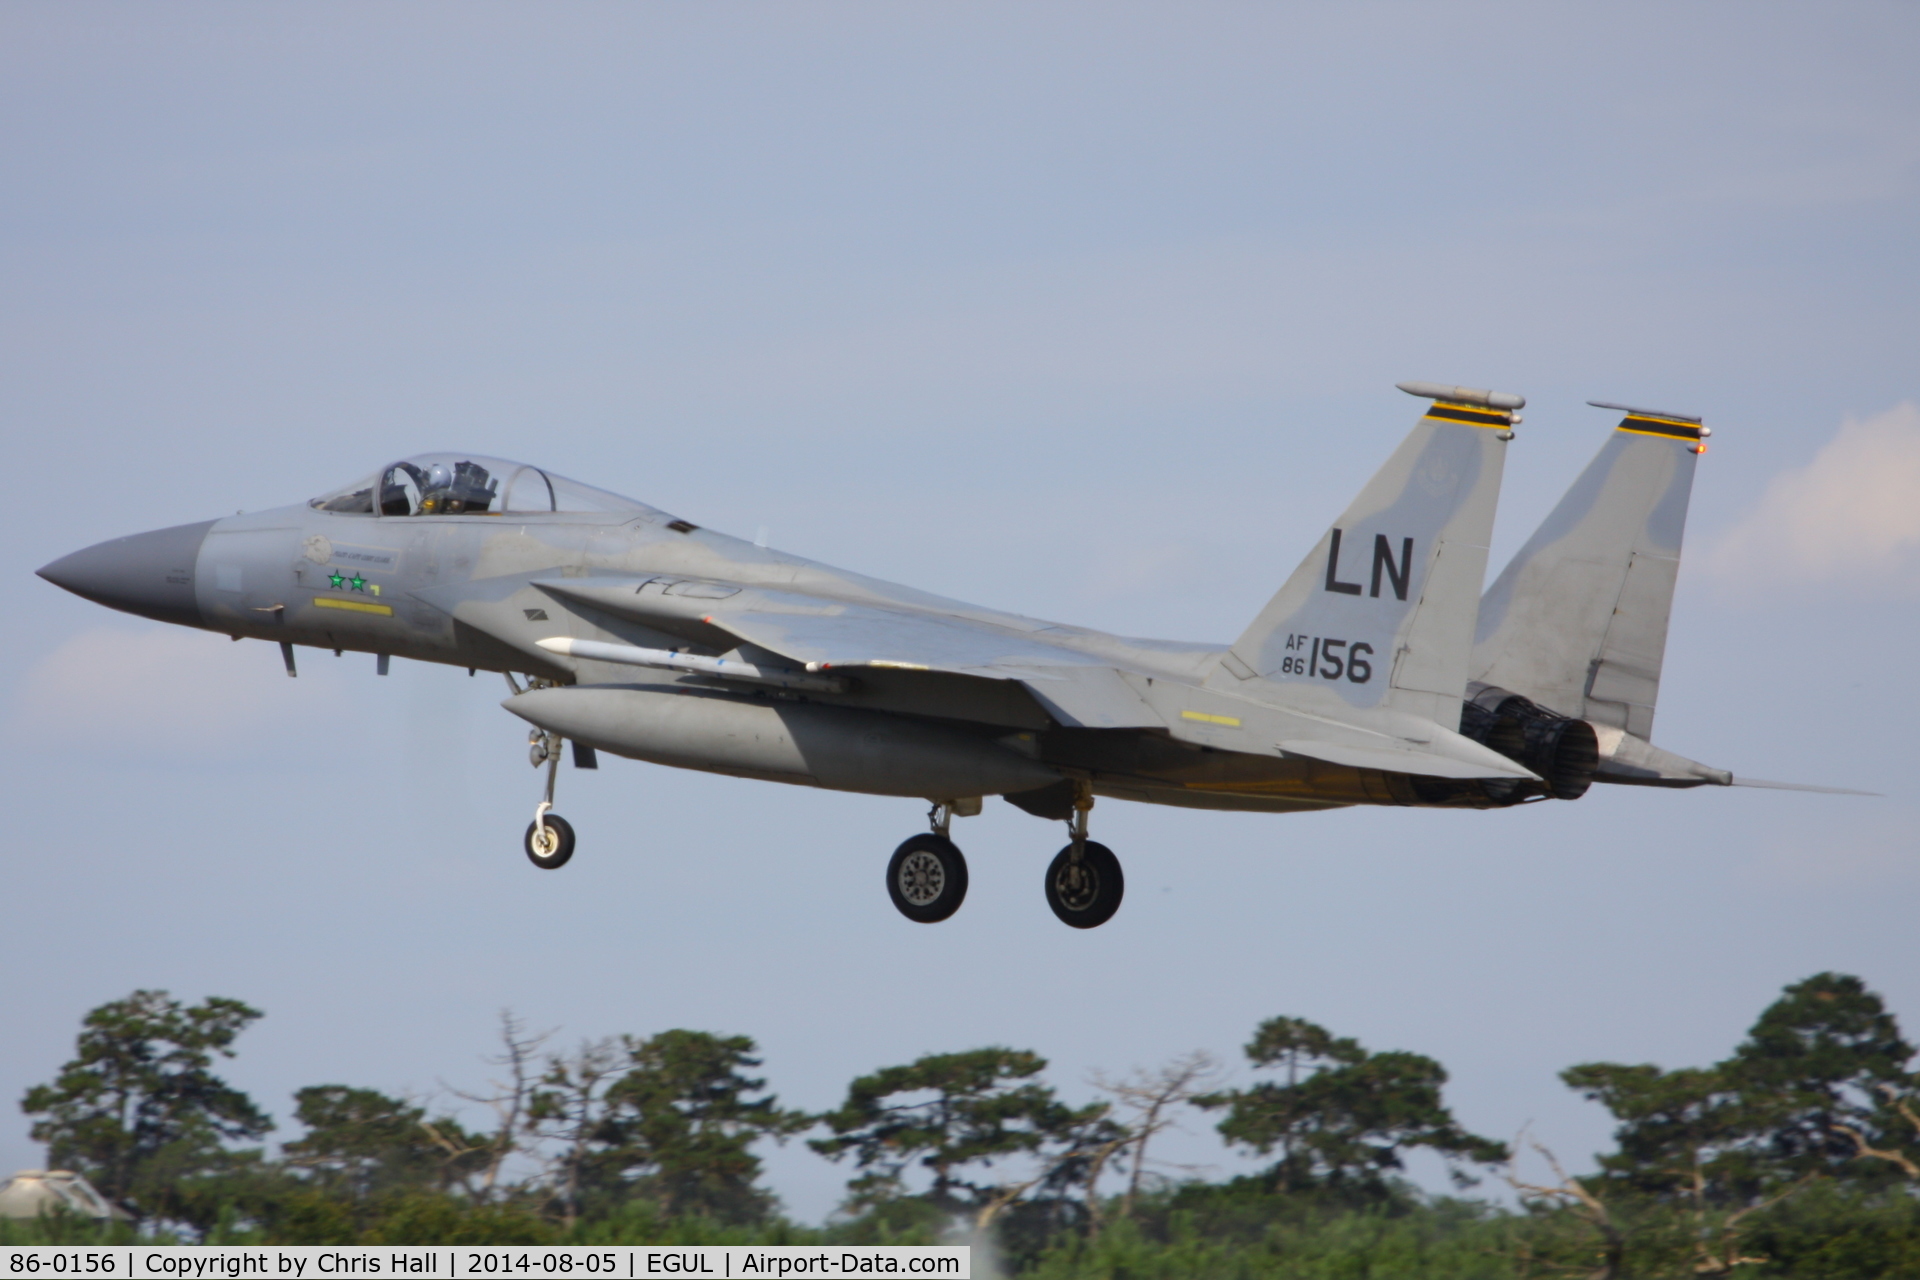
[927, 879]
[555, 858]
[1085, 897]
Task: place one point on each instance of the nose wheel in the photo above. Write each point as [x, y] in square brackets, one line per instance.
[1084, 882]
[549, 839]
[927, 875]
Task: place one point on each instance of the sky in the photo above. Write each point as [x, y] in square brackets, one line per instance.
[1089, 312]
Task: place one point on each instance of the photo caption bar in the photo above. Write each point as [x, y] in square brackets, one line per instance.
[469, 1262]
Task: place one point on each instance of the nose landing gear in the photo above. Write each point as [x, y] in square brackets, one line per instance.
[1084, 884]
[927, 876]
[549, 839]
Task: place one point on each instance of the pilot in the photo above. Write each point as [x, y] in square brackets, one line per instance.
[450, 490]
[436, 490]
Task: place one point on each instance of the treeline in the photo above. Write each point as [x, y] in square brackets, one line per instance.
[1799, 1154]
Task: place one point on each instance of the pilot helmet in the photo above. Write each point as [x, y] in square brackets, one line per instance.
[439, 476]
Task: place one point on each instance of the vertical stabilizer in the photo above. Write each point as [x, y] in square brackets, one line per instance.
[1578, 621]
[1381, 612]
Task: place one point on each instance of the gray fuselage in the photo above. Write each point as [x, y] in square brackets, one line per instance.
[460, 589]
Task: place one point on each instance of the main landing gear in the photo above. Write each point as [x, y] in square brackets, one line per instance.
[927, 876]
[1084, 883]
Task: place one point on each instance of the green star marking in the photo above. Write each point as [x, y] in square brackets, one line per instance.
[357, 582]
[334, 580]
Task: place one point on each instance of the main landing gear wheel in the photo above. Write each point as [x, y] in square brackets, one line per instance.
[549, 842]
[1084, 884]
[1085, 891]
[927, 878]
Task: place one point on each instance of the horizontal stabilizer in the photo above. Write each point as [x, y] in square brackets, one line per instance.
[1396, 759]
[1800, 786]
[1634, 761]
[1379, 738]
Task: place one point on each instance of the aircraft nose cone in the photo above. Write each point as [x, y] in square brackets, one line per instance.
[150, 574]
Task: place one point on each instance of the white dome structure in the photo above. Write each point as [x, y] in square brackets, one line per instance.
[32, 1193]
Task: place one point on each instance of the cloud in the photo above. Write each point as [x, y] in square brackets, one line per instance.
[1851, 515]
[171, 695]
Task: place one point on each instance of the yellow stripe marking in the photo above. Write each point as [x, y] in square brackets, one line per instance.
[1479, 411]
[900, 666]
[1683, 430]
[353, 606]
[1232, 722]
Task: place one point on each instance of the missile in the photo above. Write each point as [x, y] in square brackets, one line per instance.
[672, 660]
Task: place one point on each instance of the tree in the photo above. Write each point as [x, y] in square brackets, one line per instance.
[360, 1143]
[139, 1108]
[1341, 1116]
[1579, 1200]
[1151, 1098]
[509, 1102]
[1901, 1105]
[678, 1126]
[1815, 1090]
[569, 1107]
[1822, 1068]
[1809, 1092]
[945, 1112]
[1678, 1129]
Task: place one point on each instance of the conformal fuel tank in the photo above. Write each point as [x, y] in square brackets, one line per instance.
[841, 748]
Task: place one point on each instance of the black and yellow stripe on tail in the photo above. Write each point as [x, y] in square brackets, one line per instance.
[1477, 415]
[1671, 427]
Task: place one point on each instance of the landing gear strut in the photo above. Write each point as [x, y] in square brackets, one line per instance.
[927, 876]
[549, 838]
[549, 841]
[1084, 884]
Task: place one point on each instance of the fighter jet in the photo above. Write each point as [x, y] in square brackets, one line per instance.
[1376, 675]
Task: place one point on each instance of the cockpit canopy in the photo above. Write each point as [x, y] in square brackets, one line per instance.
[468, 484]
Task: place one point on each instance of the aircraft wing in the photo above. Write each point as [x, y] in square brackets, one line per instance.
[823, 633]
[828, 634]
[1080, 689]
